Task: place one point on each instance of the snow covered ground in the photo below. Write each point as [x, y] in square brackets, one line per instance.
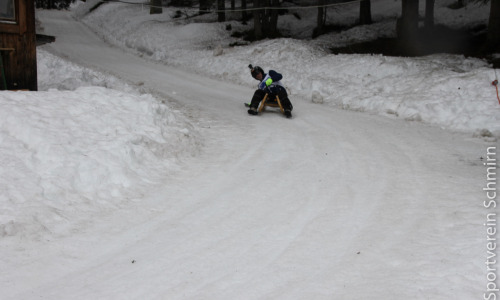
[446, 90]
[138, 174]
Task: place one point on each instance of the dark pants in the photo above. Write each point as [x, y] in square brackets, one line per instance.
[259, 95]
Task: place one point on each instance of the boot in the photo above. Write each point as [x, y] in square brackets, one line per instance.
[288, 113]
[253, 111]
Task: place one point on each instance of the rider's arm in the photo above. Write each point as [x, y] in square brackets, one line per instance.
[275, 76]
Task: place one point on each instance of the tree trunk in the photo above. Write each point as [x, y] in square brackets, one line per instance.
[494, 25]
[205, 6]
[155, 7]
[221, 15]
[365, 12]
[429, 14]
[257, 16]
[408, 23]
[320, 20]
[407, 27]
[266, 21]
[273, 19]
[243, 8]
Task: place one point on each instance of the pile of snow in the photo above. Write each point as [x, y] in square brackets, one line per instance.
[79, 147]
[449, 91]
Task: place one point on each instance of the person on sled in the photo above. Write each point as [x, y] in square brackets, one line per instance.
[270, 83]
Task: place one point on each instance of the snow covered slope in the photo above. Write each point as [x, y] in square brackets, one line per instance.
[130, 179]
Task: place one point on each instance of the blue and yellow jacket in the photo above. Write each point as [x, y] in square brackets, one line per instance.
[272, 82]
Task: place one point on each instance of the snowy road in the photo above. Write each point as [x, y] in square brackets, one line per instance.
[328, 205]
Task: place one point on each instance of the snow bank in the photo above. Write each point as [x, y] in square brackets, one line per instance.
[81, 148]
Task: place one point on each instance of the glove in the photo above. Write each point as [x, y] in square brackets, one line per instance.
[269, 82]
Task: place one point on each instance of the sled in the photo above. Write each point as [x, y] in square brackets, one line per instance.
[271, 102]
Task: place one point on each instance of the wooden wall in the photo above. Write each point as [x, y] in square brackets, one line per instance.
[18, 48]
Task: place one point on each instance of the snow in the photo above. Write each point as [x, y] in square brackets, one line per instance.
[136, 173]
[445, 90]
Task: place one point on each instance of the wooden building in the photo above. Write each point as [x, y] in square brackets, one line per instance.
[18, 45]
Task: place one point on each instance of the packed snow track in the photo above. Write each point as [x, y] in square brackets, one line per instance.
[330, 204]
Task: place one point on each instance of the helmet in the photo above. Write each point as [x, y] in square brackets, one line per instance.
[256, 70]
